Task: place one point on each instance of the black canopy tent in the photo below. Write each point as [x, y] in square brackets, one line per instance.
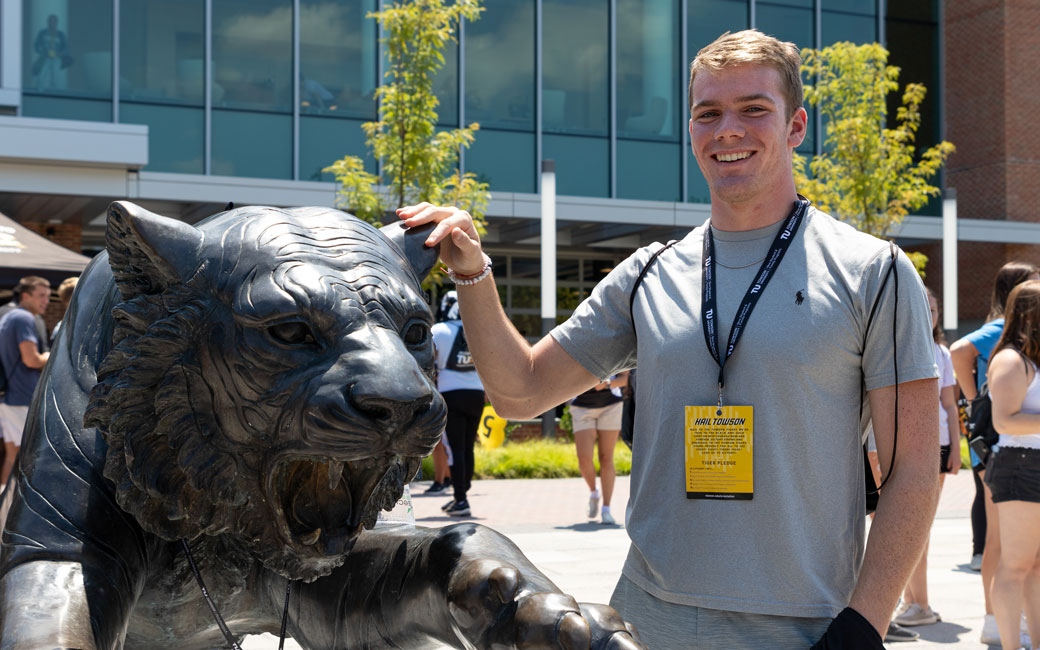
[23, 252]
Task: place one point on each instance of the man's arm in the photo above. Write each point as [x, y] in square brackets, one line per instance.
[521, 381]
[907, 503]
[963, 353]
[30, 356]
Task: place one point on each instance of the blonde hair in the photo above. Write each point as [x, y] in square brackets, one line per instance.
[65, 289]
[754, 47]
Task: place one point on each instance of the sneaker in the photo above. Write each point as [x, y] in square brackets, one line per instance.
[1023, 634]
[447, 506]
[917, 615]
[447, 481]
[976, 562]
[896, 633]
[990, 633]
[436, 488]
[606, 518]
[593, 504]
[459, 509]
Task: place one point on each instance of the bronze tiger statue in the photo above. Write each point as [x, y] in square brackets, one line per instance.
[257, 387]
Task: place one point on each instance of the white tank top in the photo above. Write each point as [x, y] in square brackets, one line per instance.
[1030, 404]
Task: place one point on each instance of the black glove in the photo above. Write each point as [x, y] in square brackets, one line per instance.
[850, 631]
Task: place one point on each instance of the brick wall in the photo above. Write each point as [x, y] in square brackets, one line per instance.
[992, 78]
[69, 235]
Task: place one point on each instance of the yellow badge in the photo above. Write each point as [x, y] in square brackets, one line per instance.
[492, 431]
[720, 452]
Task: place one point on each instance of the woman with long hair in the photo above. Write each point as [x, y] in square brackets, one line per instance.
[975, 349]
[1013, 472]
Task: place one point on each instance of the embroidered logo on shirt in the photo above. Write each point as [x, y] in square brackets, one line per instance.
[798, 298]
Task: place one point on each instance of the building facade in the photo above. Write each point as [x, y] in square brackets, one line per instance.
[184, 105]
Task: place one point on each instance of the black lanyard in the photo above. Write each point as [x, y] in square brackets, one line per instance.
[709, 310]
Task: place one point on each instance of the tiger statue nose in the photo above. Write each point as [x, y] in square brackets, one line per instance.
[392, 402]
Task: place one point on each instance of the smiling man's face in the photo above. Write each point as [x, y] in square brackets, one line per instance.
[740, 134]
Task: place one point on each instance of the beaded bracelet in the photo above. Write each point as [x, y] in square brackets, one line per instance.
[467, 280]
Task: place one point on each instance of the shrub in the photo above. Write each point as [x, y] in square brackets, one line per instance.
[533, 459]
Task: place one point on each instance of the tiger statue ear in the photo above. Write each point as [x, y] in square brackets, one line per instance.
[412, 244]
[149, 252]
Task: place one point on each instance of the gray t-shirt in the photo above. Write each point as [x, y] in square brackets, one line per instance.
[804, 358]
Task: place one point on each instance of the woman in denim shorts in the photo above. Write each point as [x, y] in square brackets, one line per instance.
[1013, 472]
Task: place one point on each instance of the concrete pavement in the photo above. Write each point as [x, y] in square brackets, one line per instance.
[546, 519]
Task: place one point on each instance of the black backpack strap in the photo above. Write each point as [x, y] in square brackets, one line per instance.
[894, 251]
[639, 281]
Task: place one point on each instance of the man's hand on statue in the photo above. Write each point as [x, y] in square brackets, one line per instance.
[455, 233]
[494, 608]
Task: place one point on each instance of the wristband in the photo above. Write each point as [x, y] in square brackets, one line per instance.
[467, 280]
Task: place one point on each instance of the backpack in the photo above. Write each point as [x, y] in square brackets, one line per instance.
[460, 359]
[981, 434]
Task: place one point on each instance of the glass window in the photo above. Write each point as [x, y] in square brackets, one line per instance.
[446, 87]
[581, 164]
[786, 23]
[859, 6]
[914, 47]
[68, 48]
[337, 58]
[847, 27]
[324, 140]
[787, 3]
[253, 55]
[162, 51]
[709, 19]
[247, 143]
[575, 64]
[500, 66]
[648, 69]
[927, 10]
[67, 108]
[505, 159]
[175, 135]
[648, 170]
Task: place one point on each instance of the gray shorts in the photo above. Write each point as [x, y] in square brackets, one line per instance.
[665, 626]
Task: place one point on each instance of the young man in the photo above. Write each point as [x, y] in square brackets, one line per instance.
[747, 502]
[22, 362]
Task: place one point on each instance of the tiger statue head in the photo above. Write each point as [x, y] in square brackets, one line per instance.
[270, 378]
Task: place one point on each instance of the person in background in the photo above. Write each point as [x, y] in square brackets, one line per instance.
[917, 611]
[970, 355]
[1013, 471]
[52, 56]
[22, 362]
[596, 415]
[65, 289]
[463, 392]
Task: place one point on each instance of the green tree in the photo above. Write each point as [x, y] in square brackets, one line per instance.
[868, 175]
[418, 162]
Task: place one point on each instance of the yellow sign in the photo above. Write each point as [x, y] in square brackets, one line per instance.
[492, 431]
[720, 452]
